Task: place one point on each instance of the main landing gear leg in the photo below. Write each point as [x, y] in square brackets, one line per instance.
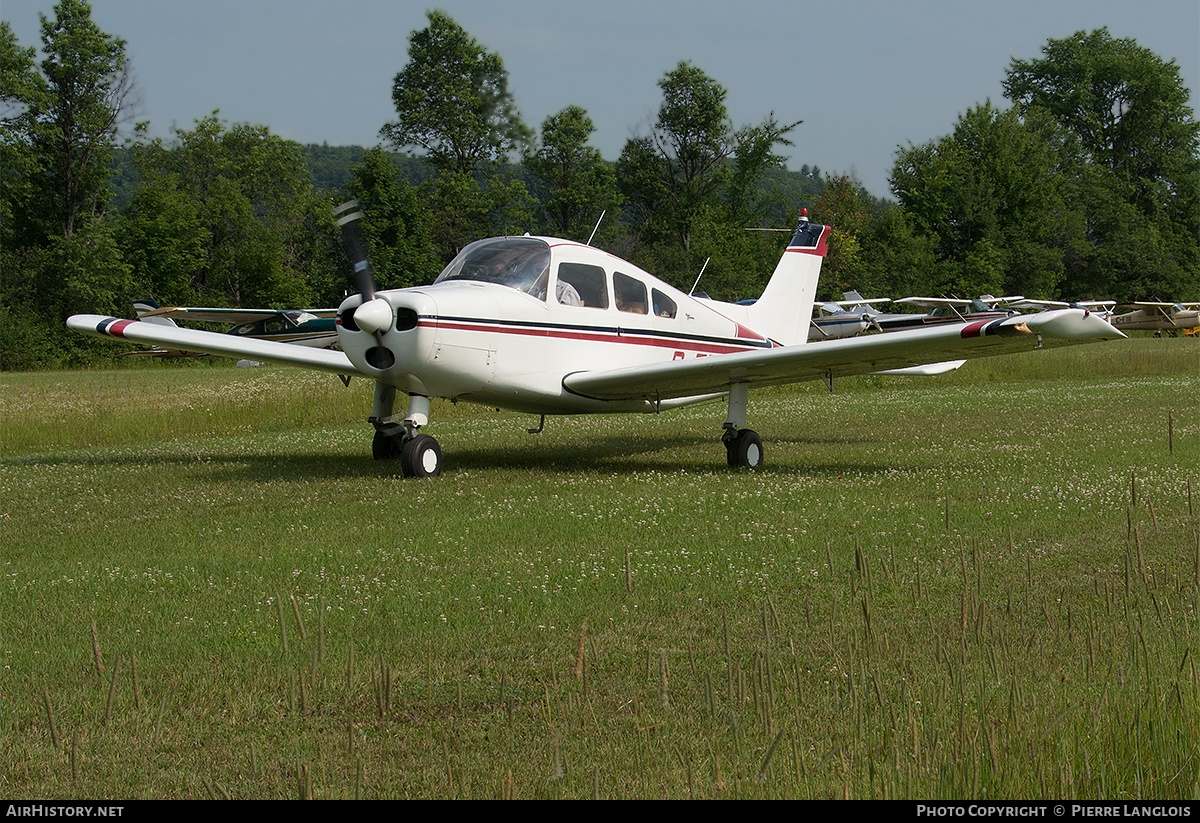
[743, 447]
[420, 455]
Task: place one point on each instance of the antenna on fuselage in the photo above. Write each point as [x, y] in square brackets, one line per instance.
[698, 276]
[597, 227]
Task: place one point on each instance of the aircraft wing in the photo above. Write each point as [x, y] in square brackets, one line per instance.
[849, 304]
[1145, 304]
[1060, 304]
[205, 342]
[907, 350]
[935, 302]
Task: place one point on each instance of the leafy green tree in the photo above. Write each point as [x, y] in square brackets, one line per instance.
[847, 209]
[694, 140]
[228, 217]
[696, 176]
[452, 101]
[395, 223]
[57, 249]
[1129, 111]
[572, 183]
[992, 196]
[1128, 108]
[88, 84]
[898, 261]
[23, 93]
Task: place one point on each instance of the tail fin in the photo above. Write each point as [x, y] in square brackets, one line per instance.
[149, 311]
[785, 309]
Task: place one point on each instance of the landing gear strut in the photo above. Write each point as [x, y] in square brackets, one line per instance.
[420, 455]
[743, 447]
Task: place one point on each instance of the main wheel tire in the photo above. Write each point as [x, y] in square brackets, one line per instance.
[421, 457]
[384, 447]
[745, 450]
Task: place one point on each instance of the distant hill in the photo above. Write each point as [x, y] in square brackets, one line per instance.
[333, 166]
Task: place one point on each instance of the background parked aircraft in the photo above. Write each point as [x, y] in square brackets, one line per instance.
[942, 310]
[848, 317]
[302, 327]
[1158, 317]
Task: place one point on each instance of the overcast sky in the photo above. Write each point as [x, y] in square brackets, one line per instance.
[865, 76]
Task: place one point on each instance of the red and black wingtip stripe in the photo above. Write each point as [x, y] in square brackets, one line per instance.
[980, 328]
[114, 326]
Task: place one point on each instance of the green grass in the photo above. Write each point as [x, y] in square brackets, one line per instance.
[982, 585]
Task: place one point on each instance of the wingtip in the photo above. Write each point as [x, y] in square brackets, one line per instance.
[1074, 324]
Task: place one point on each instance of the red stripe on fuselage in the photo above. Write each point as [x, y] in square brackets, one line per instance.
[593, 336]
[117, 329]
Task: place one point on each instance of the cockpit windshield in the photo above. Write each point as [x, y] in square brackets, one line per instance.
[521, 263]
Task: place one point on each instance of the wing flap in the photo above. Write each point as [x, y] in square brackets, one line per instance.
[840, 358]
[205, 342]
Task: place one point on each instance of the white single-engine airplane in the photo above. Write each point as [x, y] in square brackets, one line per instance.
[550, 326]
[848, 317]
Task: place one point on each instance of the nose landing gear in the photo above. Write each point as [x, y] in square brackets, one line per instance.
[420, 455]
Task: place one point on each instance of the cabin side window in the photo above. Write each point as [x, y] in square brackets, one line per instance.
[629, 294]
[581, 285]
[663, 305]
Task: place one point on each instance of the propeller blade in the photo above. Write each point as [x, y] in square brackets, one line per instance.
[348, 216]
[375, 314]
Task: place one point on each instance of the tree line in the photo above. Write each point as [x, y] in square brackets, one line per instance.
[1086, 186]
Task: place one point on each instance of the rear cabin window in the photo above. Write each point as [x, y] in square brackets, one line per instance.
[663, 305]
[629, 294]
[582, 285]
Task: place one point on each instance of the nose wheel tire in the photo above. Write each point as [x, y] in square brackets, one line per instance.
[421, 457]
[384, 447]
[744, 449]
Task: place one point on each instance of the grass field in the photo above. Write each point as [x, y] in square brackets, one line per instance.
[980, 585]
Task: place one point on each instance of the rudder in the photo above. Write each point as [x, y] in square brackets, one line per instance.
[784, 310]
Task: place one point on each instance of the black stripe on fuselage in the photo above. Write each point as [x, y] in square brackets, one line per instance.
[618, 331]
